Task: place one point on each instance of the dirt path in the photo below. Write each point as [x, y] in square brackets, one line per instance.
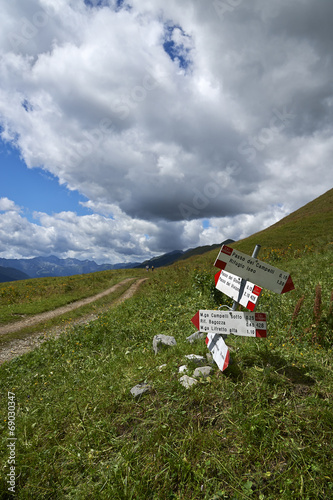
[17, 347]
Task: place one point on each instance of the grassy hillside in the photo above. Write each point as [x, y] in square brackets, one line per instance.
[309, 227]
[262, 429]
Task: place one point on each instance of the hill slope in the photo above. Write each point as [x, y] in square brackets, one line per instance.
[11, 274]
[310, 225]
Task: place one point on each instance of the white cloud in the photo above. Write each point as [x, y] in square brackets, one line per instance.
[7, 205]
[166, 113]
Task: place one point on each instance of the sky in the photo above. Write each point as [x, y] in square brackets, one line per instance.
[131, 128]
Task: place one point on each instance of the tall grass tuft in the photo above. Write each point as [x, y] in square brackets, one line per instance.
[296, 312]
[317, 305]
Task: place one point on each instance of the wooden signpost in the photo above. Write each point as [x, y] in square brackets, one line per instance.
[219, 350]
[243, 292]
[235, 280]
[250, 268]
[231, 322]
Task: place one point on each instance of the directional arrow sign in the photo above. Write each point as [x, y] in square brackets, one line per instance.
[246, 293]
[227, 322]
[219, 350]
[249, 268]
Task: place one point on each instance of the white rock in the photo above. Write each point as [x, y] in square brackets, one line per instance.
[195, 336]
[187, 381]
[199, 360]
[202, 371]
[140, 389]
[182, 369]
[160, 341]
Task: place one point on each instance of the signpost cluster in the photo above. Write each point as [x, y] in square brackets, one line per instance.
[242, 278]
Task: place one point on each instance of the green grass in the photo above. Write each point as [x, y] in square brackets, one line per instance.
[66, 320]
[309, 227]
[261, 430]
[29, 297]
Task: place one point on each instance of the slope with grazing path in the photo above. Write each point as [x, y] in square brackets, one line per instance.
[16, 347]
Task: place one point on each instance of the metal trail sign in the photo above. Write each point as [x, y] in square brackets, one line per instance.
[243, 292]
[250, 268]
[245, 324]
[219, 350]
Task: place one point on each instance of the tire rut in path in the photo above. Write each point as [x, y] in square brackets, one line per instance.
[16, 347]
[38, 318]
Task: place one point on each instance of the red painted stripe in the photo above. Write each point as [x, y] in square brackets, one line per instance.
[288, 286]
[256, 290]
[217, 276]
[196, 320]
[226, 361]
[261, 333]
[221, 265]
[260, 316]
[227, 250]
[207, 341]
[251, 306]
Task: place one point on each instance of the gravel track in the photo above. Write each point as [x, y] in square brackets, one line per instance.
[17, 347]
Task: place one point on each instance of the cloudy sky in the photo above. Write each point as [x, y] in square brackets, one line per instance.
[130, 128]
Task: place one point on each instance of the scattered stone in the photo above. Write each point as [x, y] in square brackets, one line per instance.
[202, 371]
[162, 367]
[199, 360]
[140, 389]
[195, 336]
[160, 341]
[182, 369]
[209, 358]
[187, 381]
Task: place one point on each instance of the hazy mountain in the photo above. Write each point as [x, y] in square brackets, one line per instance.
[11, 274]
[169, 258]
[39, 267]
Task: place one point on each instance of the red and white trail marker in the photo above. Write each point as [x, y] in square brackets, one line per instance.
[246, 295]
[245, 324]
[219, 350]
[250, 268]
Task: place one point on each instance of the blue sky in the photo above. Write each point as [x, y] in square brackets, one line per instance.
[159, 125]
[34, 189]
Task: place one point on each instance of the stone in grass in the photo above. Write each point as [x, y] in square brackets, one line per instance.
[182, 369]
[209, 358]
[160, 341]
[187, 381]
[198, 360]
[202, 371]
[195, 336]
[140, 389]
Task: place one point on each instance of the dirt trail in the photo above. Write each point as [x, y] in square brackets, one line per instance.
[16, 347]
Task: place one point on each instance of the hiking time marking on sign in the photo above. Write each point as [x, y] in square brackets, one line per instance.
[245, 324]
[250, 268]
[219, 350]
[246, 294]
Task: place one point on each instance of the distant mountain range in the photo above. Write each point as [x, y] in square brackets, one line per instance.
[169, 258]
[39, 267]
[42, 267]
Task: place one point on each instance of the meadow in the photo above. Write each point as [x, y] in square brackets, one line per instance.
[262, 429]
[29, 297]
